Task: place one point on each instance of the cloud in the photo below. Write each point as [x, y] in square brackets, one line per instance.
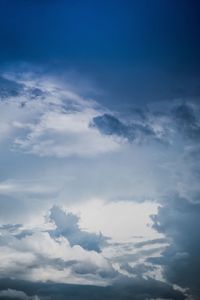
[178, 219]
[151, 242]
[15, 294]
[67, 254]
[136, 128]
[123, 289]
[49, 134]
[59, 134]
[46, 119]
[110, 125]
[38, 255]
[49, 120]
[9, 88]
[146, 289]
[159, 123]
[178, 215]
[138, 269]
[67, 226]
[34, 187]
[187, 118]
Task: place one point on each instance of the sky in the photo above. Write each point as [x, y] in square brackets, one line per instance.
[99, 150]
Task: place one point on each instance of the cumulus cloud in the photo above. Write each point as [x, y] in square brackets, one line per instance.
[37, 255]
[178, 215]
[154, 152]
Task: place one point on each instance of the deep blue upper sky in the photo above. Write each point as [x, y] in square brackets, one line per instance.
[136, 50]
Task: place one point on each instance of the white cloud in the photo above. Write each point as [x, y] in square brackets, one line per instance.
[121, 220]
[65, 134]
[40, 254]
[37, 256]
[55, 123]
[34, 187]
[51, 122]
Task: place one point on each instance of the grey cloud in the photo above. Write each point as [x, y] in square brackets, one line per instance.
[15, 230]
[138, 269]
[187, 118]
[10, 227]
[148, 288]
[138, 130]
[143, 124]
[16, 294]
[178, 219]
[36, 92]
[42, 119]
[38, 253]
[13, 88]
[150, 242]
[9, 88]
[67, 226]
[86, 268]
[110, 125]
[134, 257]
[126, 289]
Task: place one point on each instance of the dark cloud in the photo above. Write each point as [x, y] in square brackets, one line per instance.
[87, 268]
[179, 220]
[137, 289]
[110, 125]
[16, 294]
[138, 269]
[187, 119]
[155, 124]
[9, 88]
[140, 289]
[13, 88]
[36, 92]
[67, 225]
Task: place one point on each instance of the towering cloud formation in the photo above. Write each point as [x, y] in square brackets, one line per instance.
[65, 159]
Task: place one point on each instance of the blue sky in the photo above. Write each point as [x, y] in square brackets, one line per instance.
[99, 150]
[121, 45]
